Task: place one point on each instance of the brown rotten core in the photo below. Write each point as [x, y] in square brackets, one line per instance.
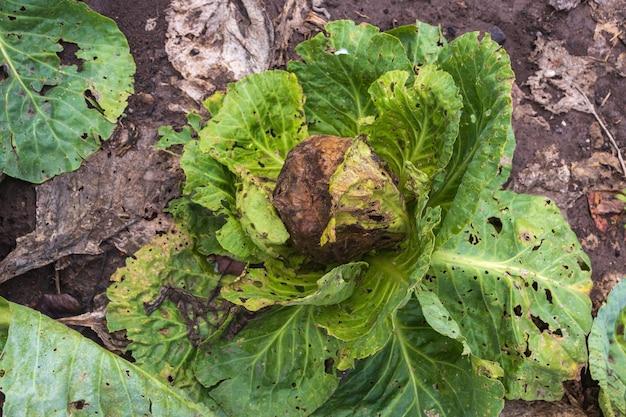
[305, 204]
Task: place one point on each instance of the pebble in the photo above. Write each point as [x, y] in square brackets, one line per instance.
[497, 35]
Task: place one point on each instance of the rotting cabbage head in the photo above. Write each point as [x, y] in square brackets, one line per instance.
[337, 200]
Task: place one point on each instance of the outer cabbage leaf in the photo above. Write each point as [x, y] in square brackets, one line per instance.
[160, 341]
[54, 116]
[169, 137]
[422, 41]
[516, 282]
[259, 121]
[364, 319]
[418, 373]
[482, 71]
[50, 370]
[337, 70]
[259, 218]
[200, 224]
[417, 124]
[277, 284]
[607, 352]
[276, 366]
[209, 184]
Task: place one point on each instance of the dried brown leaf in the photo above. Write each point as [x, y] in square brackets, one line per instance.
[117, 195]
[554, 84]
[209, 40]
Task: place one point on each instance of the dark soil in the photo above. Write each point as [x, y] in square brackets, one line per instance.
[517, 22]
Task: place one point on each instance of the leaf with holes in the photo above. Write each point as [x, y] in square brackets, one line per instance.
[49, 370]
[281, 364]
[277, 284]
[517, 283]
[259, 121]
[482, 71]
[337, 70]
[418, 373]
[417, 124]
[164, 341]
[607, 352]
[65, 76]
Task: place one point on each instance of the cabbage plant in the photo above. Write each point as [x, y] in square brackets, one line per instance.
[344, 247]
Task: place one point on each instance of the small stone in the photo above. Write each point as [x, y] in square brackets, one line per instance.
[450, 32]
[549, 73]
[497, 35]
[146, 98]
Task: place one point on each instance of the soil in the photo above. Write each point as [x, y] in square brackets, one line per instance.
[517, 21]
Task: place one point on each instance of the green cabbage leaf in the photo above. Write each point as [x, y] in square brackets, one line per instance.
[56, 114]
[607, 352]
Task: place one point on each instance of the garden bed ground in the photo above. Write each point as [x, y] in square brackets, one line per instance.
[565, 156]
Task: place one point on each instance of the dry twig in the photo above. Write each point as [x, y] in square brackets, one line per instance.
[608, 133]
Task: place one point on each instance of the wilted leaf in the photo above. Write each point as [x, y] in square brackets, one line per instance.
[115, 196]
[163, 342]
[238, 41]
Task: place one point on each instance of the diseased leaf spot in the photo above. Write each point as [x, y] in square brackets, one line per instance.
[3, 73]
[76, 405]
[473, 239]
[518, 310]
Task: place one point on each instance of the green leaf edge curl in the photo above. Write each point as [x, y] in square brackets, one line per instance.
[607, 354]
[478, 156]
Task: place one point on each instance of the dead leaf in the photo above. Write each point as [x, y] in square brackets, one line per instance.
[291, 19]
[96, 321]
[603, 286]
[227, 266]
[116, 196]
[597, 138]
[524, 113]
[210, 40]
[560, 71]
[605, 208]
[604, 11]
[564, 4]
[601, 168]
[58, 304]
[548, 175]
